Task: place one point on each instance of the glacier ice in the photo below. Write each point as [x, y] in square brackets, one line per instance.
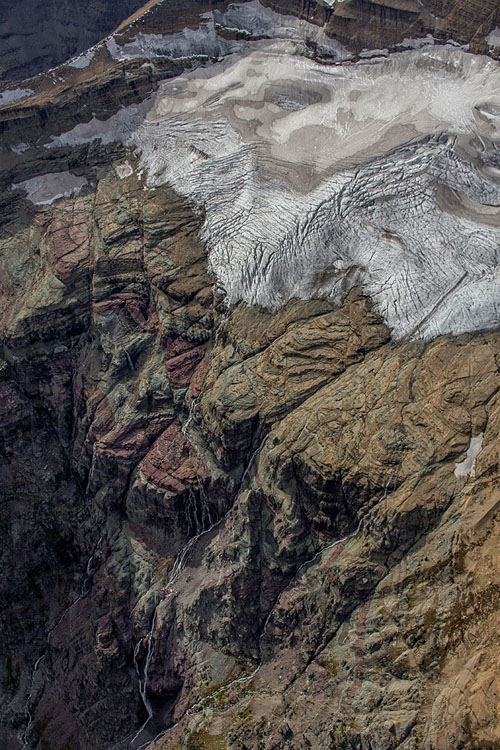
[313, 178]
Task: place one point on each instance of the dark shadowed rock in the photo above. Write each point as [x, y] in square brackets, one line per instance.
[230, 527]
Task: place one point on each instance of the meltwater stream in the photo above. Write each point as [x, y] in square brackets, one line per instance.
[140, 739]
[293, 581]
[85, 588]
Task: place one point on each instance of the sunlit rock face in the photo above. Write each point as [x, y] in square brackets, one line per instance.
[316, 178]
[249, 497]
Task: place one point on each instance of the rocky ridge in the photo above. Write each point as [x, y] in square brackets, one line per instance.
[226, 527]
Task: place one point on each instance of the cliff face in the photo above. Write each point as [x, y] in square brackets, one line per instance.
[249, 387]
[37, 35]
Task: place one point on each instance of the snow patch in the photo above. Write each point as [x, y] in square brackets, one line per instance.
[418, 43]
[83, 60]
[120, 127]
[493, 37]
[48, 188]
[367, 53]
[14, 95]
[467, 466]
[123, 170]
[20, 148]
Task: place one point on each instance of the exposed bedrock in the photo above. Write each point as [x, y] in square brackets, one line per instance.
[271, 524]
[214, 495]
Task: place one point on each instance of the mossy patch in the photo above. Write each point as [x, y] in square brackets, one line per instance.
[430, 618]
[412, 595]
[215, 695]
[202, 740]
[332, 667]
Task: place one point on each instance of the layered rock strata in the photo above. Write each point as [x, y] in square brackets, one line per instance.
[238, 526]
[154, 415]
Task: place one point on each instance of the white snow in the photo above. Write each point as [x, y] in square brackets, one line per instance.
[315, 178]
[48, 188]
[20, 148]
[83, 60]
[123, 170]
[467, 466]
[14, 95]
[493, 37]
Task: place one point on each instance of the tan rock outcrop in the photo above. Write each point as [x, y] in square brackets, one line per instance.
[226, 527]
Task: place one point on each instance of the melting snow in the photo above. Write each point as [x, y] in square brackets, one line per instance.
[467, 466]
[14, 95]
[48, 188]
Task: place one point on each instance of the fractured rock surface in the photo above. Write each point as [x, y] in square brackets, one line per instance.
[238, 525]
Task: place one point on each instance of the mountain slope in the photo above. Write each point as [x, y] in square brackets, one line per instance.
[36, 36]
[249, 384]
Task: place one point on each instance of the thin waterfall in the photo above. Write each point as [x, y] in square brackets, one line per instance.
[84, 591]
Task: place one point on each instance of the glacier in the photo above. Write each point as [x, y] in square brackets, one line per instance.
[316, 177]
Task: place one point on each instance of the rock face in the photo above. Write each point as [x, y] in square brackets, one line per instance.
[37, 35]
[225, 525]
